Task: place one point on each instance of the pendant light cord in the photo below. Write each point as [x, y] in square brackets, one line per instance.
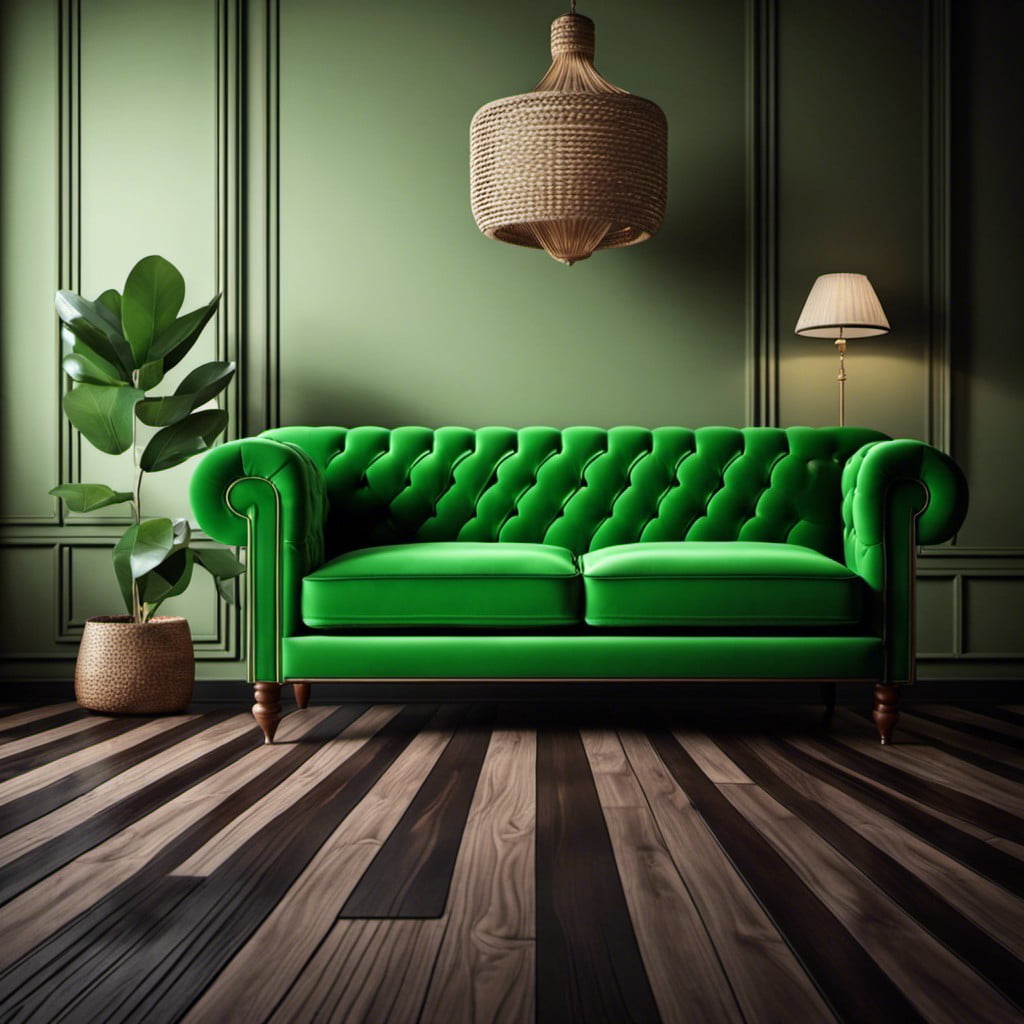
[572, 6]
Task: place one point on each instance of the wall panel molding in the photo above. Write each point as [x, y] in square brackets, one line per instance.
[937, 221]
[762, 347]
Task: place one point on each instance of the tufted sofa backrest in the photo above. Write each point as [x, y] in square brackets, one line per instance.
[581, 487]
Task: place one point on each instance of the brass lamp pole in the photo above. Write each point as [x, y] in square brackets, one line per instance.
[842, 306]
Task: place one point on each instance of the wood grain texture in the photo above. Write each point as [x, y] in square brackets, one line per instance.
[600, 863]
[668, 925]
[589, 966]
[26, 722]
[245, 989]
[981, 901]
[768, 980]
[484, 969]
[859, 989]
[412, 871]
[365, 972]
[985, 955]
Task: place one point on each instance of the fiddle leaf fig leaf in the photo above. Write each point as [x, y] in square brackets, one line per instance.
[169, 579]
[177, 340]
[103, 415]
[219, 562]
[202, 384]
[111, 300]
[148, 545]
[222, 565]
[93, 323]
[153, 294]
[89, 497]
[85, 368]
[180, 441]
[150, 374]
[123, 567]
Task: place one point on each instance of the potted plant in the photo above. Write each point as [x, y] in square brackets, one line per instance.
[116, 350]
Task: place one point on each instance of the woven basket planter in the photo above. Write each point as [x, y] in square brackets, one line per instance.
[125, 667]
[574, 166]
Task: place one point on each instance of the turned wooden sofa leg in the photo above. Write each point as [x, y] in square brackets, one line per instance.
[301, 691]
[886, 712]
[267, 709]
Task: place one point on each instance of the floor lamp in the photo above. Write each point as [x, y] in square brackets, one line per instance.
[842, 306]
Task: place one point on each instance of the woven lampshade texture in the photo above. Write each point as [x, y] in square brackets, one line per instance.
[574, 166]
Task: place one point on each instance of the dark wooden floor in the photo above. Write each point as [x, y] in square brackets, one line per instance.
[480, 863]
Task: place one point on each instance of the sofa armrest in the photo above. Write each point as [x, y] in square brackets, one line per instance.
[270, 497]
[897, 495]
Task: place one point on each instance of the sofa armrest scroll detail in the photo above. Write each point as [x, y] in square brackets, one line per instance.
[898, 495]
[270, 497]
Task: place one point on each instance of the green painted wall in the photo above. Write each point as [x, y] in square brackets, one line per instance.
[309, 159]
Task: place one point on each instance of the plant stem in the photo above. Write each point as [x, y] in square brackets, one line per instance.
[136, 500]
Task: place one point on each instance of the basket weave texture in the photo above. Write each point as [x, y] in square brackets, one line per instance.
[126, 667]
[574, 166]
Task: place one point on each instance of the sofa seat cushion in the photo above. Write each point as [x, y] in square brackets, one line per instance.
[721, 584]
[445, 583]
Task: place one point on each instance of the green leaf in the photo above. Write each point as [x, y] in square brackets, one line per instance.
[226, 588]
[150, 374]
[219, 562]
[174, 444]
[111, 300]
[153, 294]
[152, 542]
[89, 497]
[182, 533]
[175, 343]
[169, 579]
[123, 566]
[103, 415]
[91, 369]
[92, 322]
[202, 384]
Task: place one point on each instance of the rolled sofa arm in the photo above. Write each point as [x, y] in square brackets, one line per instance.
[896, 495]
[269, 496]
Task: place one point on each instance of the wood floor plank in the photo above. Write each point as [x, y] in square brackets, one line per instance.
[769, 982]
[983, 902]
[36, 737]
[923, 904]
[62, 746]
[484, 970]
[159, 982]
[936, 766]
[26, 722]
[937, 983]
[667, 923]
[411, 873]
[153, 771]
[979, 855]
[230, 839]
[952, 801]
[63, 909]
[709, 757]
[43, 859]
[245, 990]
[367, 972]
[849, 978]
[995, 758]
[112, 761]
[973, 723]
[589, 966]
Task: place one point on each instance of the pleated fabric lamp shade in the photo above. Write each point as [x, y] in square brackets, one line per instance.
[842, 305]
[574, 166]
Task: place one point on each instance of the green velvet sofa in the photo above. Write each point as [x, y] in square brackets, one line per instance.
[579, 554]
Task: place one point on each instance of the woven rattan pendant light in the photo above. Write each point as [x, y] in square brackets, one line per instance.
[574, 166]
